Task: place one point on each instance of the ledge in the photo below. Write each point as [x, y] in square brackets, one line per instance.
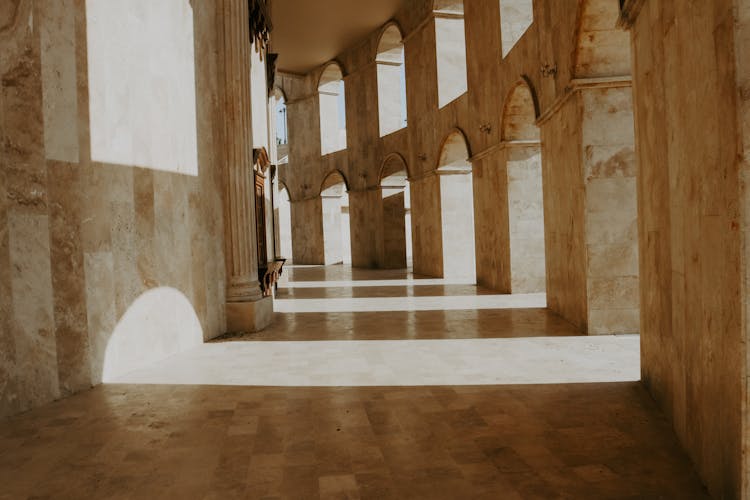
[579, 84]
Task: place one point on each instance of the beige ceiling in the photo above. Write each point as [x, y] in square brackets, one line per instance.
[307, 33]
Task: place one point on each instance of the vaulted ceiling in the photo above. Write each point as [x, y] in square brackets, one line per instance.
[307, 33]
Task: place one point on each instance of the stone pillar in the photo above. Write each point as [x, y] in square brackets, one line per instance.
[491, 219]
[426, 227]
[246, 309]
[590, 207]
[307, 231]
[365, 218]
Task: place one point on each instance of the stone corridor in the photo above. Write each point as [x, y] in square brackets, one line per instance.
[197, 426]
[511, 237]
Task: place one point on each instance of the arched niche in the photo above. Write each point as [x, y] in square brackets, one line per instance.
[522, 154]
[396, 199]
[391, 72]
[520, 113]
[335, 207]
[454, 153]
[332, 108]
[450, 48]
[457, 209]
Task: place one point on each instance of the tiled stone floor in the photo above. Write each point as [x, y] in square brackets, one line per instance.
[577, 441]
[428, 320]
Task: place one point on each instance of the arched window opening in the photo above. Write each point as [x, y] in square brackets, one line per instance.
[457, 210]
[523, 157]
[391, 81]
[331, 92]
[336, 231]
[279, 114]
[450, 46]
[397, 238]
[515, 18]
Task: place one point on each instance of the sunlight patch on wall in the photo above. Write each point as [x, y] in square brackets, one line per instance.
[142, 84]
[158, 324]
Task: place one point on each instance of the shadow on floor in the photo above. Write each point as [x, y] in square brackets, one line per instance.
[564, 441]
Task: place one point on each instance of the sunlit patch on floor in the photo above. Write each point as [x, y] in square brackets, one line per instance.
[452, 362]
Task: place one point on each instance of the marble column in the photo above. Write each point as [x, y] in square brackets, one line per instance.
[247, 309]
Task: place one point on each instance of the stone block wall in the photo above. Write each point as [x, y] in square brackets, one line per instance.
[690, 113]
[93, 255]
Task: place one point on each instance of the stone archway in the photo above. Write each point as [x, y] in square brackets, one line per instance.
[522, 156]
[457, 209]
[335, 208]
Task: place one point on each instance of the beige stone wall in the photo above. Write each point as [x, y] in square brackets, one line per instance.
[692, 224]
[94, 255]
[564, 213]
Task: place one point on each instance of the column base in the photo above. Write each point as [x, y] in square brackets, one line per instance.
[249, 317]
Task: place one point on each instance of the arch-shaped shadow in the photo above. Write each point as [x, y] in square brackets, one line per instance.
[159, 323]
